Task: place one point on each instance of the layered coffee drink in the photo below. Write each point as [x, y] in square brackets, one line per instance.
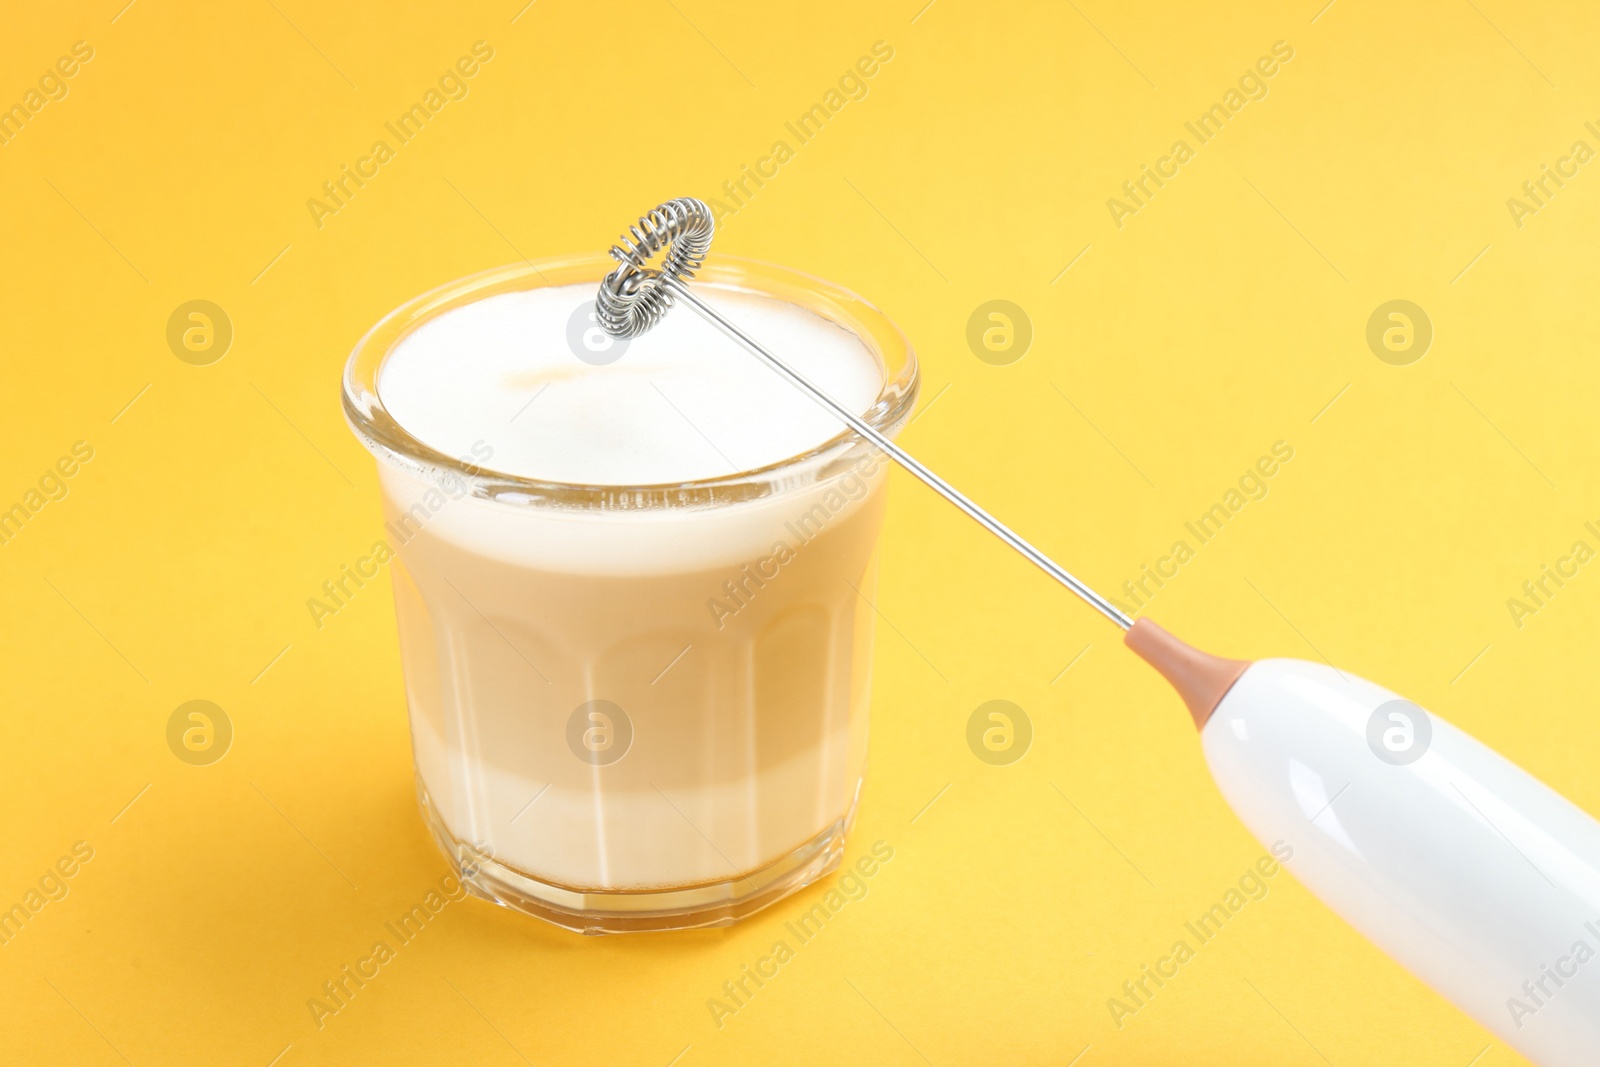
[636, 637]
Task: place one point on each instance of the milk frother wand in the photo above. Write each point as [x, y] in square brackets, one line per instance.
[634, 298]
[1473, 874]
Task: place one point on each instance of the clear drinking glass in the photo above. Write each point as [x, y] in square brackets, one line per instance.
[636, 707]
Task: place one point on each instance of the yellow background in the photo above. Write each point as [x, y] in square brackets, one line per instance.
[1224, 316]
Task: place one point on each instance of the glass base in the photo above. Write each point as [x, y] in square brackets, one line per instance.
[621, 911]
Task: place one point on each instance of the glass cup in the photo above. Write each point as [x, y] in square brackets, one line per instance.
[637, 707]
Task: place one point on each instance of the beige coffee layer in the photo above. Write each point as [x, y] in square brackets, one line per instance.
[735, 640]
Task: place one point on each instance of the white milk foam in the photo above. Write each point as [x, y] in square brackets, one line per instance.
[742, 669]
[682, 402]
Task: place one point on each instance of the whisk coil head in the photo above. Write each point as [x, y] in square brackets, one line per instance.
[633, 298]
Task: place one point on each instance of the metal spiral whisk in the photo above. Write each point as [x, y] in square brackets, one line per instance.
[634, 297]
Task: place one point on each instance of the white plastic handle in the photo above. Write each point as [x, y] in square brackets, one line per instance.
[1476, 876]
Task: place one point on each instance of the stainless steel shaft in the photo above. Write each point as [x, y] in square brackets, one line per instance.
[680, 291]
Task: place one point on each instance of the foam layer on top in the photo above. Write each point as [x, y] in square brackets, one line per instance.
[523, 373]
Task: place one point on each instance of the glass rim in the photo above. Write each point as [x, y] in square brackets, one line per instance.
[390, 442]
